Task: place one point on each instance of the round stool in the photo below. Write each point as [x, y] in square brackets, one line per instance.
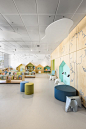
[22, 86]
[61, 83]
[50, 77]
[57, 81]
[29, 88]
[53, 77]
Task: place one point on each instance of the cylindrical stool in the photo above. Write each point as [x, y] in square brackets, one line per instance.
[57, 81]
[22, 86]
[29, 88]
[53, 77]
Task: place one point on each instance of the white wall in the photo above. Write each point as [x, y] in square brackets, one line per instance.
[37, 59]
[6, 60]
[1, 60]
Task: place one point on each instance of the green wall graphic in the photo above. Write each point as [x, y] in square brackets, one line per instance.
[64, 68]
[52, 65]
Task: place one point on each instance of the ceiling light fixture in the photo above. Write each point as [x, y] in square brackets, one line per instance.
[38, 45]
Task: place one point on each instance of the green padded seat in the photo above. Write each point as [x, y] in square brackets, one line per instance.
[29, 88]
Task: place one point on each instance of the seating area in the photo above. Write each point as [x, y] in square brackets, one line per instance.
[27, 87]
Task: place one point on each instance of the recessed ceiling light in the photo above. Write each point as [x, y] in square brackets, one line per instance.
[38, 45]
[31, 49]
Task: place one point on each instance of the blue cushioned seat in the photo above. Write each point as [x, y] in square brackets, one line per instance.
[22, 86]
[61, 91]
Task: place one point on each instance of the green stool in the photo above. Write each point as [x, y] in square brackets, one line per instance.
[29, 88]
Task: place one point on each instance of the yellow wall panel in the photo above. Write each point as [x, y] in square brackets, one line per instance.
[61, 49]
[57, 52]
[59, 62]
[72, 40]
[73, 72]
[66, 46]
[66, 59]
[56, 63]
[81, 34]
[51, 56]
[81, 68]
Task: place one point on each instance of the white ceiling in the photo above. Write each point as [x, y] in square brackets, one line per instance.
[30, 18]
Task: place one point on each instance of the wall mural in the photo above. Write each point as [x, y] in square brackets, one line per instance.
[74, 63]
[72, 70]
[72, 80]
[78, 34]
[63, 50]
[82, 96]
[84, 69]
